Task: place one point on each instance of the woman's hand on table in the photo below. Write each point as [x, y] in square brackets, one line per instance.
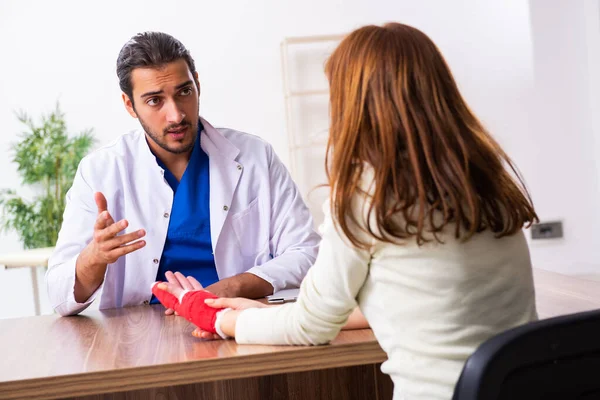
[237, 304]
[183, 282]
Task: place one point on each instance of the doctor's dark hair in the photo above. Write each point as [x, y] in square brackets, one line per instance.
[396, 108]
[149, 49]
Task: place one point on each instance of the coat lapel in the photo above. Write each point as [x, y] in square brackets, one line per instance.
[225, 173]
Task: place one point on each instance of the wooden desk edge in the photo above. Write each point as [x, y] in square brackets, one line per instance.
[196, 371]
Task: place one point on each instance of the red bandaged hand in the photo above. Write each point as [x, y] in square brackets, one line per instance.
[190, 306]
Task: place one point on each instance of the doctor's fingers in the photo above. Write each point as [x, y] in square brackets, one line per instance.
[113, 255]
[101, 202]
[103, 208]
[118, 241]
[103, 220]
[110, 231]
[109, 221]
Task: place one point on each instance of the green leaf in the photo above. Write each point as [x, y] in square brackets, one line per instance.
[47, 159]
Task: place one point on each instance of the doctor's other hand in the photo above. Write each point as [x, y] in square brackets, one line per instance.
[106, 247]
[237, 303]
[183, 282]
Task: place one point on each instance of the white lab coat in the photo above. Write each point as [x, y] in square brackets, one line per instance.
[258, 220]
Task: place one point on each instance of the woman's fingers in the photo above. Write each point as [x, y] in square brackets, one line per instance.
[167, 293]
[187, 285]
[237, 303]
[195, 284]
[200, 334]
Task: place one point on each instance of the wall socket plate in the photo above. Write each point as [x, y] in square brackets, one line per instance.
[547, 230]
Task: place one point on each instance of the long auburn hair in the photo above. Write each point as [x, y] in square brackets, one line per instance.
[394, 105]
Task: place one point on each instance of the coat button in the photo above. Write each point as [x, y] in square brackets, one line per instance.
[225, 208]
[155, 261]
[146, 302]
[239, 167]
[166, 215]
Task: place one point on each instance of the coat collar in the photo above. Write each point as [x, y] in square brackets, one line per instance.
[215, 144]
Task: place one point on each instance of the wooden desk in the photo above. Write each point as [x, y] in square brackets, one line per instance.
[139, 348]
[143, 355]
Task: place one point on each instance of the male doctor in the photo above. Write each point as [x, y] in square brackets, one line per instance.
[216, 205]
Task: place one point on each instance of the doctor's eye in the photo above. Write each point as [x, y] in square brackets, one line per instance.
[153, 101]
[186, 91]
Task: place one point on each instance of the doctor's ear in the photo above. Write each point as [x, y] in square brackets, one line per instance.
[129, 105]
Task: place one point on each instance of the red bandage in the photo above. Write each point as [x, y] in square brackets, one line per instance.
[191, 307]
[167, 299]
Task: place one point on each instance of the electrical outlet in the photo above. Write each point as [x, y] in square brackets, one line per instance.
[547, 230]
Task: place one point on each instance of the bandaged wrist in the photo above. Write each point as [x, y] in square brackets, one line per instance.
[191, 306]
[218, 321]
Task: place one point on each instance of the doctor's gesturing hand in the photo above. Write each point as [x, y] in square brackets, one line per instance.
[105, 248]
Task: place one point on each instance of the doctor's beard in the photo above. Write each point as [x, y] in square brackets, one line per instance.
[160, 139]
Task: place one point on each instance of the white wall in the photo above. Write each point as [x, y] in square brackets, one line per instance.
[564, 142]
[66, 50]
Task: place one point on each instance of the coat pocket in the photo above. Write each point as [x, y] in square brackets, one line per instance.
[251, 231]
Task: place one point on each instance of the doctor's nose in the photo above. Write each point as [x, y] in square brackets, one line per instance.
[173, 113]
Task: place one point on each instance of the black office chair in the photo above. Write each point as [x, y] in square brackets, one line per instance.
[551, 359]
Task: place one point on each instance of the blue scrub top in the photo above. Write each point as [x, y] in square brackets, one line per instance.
[188, 247]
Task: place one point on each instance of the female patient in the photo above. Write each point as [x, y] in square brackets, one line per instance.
[425, 225]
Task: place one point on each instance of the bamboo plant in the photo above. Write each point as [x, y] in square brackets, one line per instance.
[47, 159]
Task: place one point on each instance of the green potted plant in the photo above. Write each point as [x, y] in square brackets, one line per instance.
[47, 159]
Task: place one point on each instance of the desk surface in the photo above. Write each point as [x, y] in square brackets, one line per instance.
[137, 347]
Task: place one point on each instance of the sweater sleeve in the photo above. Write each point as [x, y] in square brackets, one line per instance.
[327, 297]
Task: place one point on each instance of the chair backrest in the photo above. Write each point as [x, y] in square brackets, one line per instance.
[551, 359]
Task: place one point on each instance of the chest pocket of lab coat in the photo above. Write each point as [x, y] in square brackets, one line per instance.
[251, 231]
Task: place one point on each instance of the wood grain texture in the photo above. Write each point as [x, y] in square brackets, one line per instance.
[348, 383]
[138, 348]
